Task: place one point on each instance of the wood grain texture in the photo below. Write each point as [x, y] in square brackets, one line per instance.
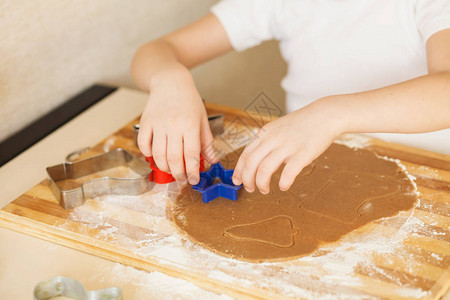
[422, 262]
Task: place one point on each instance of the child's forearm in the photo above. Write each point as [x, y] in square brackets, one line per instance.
[173, 54]
[418, 105]
[152, 58]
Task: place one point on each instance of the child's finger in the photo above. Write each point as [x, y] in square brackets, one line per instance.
[159, 150]
[192, 156]
[267, 167]
[292, 168]
[175, 157]
[207, 142]
[144, 140]
[239, 168]
[251, 165]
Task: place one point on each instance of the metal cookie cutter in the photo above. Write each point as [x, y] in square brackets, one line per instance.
[61, 286]
[211, 190]
[70, 198]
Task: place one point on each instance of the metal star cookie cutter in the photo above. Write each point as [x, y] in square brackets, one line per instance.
[211, 190]
[70, 198]
[61, 286]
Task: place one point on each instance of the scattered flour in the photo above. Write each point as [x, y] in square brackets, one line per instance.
[141, 224]
[156, 285]
[109, 143]
[328, 273]
[353, 140]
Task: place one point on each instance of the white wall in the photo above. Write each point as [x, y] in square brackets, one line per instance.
[52, 49]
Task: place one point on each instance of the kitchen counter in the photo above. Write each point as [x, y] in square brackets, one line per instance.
[26, 260]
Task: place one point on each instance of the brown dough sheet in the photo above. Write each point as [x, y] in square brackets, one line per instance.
[340, 191]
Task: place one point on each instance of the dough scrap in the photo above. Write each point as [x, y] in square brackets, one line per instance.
[340, 191]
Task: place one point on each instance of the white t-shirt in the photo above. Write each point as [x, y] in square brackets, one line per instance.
[340, 46]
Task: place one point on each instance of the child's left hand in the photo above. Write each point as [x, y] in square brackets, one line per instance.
[295, 139]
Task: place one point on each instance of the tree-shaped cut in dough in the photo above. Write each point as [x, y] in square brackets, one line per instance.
[277, 231]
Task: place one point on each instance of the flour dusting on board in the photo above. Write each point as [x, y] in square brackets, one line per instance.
[140, 224]
[109, 143]
[353, 140]
[153, 285]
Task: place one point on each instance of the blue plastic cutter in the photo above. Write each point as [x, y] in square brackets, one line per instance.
[224, 189]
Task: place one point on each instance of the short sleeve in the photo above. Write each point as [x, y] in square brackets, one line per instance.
[432, 16]
[247, 22]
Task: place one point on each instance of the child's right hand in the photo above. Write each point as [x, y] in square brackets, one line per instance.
[174, 125]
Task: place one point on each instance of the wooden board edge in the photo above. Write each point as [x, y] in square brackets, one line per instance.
[31, 228]
[442, 286]
[409, 149]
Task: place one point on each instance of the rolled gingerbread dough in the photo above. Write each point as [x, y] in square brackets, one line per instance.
[340, 191]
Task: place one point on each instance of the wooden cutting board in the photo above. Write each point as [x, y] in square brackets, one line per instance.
[404, 257]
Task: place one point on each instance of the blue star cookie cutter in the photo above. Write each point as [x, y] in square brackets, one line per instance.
[211, 190]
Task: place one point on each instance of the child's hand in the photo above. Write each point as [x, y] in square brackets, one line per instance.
[295, 139]
[174, 125]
